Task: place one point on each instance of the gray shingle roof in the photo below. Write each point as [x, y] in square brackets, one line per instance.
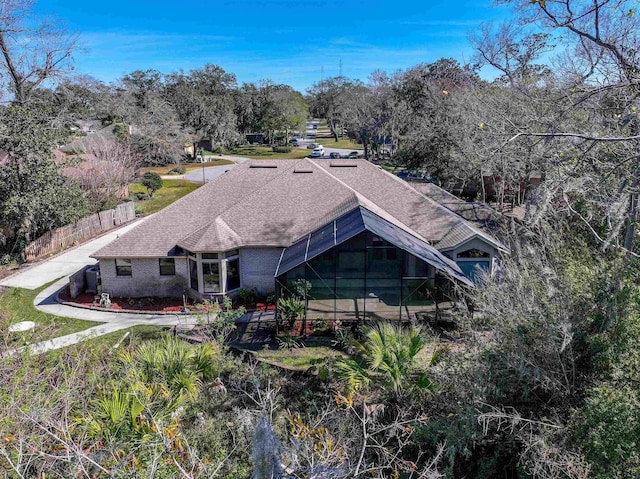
[254, 206]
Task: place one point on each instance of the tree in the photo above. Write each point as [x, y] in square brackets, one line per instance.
[31, 55]
[203, 99]
[151, 124]
[327, 100]
[106, 172]
[151, 181]
[283, 109]
[588, 123]
[34, 196]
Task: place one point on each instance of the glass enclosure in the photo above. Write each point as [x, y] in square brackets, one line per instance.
[365, 277]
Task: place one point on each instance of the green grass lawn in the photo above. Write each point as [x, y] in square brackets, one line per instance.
[164, 170]
[299, 359]
[171, 191]
[16, 304]
[326, 139]
[265, 152]
[330, 142]
[137, 334]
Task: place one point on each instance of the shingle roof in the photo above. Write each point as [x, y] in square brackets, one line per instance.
[457, 235]
[480, 214]
[264, 206]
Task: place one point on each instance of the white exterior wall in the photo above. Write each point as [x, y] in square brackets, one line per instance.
[145, 279]
[258, 268]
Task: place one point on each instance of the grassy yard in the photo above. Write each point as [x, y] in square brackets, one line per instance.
[171, 191]
[299, 359]
[266, 153]
[330, 142]
[164, 170]
[137, 334]
[326, 139]
[16, 304]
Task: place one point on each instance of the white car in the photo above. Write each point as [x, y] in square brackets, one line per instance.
[317, 152]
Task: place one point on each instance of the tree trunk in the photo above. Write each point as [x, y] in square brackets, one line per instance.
[632, 217]
[332, 127]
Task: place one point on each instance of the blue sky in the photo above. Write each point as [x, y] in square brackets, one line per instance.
[287, 41]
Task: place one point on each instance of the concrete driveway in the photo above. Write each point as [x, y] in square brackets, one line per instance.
[212, 172]
[64, 264]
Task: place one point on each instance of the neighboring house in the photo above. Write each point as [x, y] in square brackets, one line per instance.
[363, 239]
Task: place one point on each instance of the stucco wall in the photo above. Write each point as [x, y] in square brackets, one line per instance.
[258, 268]
[145, 279]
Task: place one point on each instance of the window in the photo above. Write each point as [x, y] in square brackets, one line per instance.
[209, 255]
[233, 274]
[123, 267]
[211, 277]
[473, 253]
[193, 274]
[167, 266]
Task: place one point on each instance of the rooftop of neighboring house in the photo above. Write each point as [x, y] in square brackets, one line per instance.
[273, 203]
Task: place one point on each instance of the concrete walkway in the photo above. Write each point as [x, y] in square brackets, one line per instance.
[65, 265]
[71, 261]
[45, 301]
[110, 321]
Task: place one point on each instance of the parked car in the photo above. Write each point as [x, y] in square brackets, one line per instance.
[317, 152]
[353, 154]
[333, 155]
[313, 146]
[413, 176]
[295, 141]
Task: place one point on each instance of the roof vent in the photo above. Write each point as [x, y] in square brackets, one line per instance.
[343, 164]
[302, 169]
[263, 165]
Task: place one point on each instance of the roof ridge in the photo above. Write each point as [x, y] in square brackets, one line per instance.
[430, 200]
[382, 213]
[378, 208]
[226, 226]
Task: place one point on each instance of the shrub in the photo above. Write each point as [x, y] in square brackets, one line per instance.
[290, 309]
[152, 182]
[321, 327]
[178, 170]
[142, 196]
[281, 149]
[246, 296]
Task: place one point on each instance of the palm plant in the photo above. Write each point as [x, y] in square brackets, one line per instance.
[387, 355]
[290, 309]
[159, 377]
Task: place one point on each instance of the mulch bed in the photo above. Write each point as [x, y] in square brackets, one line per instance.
[165, 305]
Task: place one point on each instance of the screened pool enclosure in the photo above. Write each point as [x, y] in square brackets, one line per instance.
[362, 266]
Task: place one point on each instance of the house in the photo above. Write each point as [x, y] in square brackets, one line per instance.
[360, 238]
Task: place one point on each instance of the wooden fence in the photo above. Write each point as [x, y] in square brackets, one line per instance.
[76, 233]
